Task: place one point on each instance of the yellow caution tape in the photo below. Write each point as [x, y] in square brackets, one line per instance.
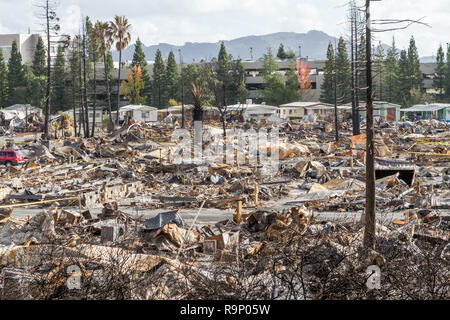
[431, 154]
[39, 202]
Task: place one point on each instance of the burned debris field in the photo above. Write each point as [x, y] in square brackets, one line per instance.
[119, 216]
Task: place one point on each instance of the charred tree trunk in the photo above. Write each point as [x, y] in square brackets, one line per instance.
[47, 93]
[370, 219]
[95, 95]
[85, 102]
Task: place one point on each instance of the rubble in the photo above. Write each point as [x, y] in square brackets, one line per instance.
[119, 207]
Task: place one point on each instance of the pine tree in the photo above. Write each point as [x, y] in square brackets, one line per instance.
[438, 81]
[404, 83]
[269, 63]
[172, 78]
[327, 88]
[238, 90]
[378, 73]
[59, 98]
[223, 73]
[415, 75]
[139, 59]
[35, 88]
[343, 73]
[3, 81]
[447, 75]
[281, 53]
[16, 75]
[361, 69]
[158, 80]
[391, 74]
[39, 65]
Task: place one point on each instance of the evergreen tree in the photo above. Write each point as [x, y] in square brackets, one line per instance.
[415, 75]
[59, 98]
[438, 81]
[238, 90]
[139, 59]
[391, 74]
[269, 63]
[223, 74]
[190, 75]
[404, 83]
[361, 69]
[446, 82]
[35, 88]
[158, 81]
[75, 70]
[16, 75]
[378, 73]
[3, 81]
[281, 53]
[327, 88]
[39, 66]
[343, 73]
[172, 78]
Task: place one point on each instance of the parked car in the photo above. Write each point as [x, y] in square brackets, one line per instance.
[10, 157]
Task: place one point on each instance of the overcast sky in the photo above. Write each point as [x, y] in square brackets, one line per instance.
[180, 21]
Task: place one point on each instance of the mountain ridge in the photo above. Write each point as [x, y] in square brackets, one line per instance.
[313, 44]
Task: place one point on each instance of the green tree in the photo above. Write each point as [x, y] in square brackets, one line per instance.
[190, 75]
[281, 53]
[3, 81]
[438, 81]
[343, 73]
[414, 73]
[172, 78]
[446, 82]
[158, 81]
[327, 88]
[238, 89]
[391, 74]
[404, 83]
[139, 59]
[39, 66]
[361, 69]
[378, 73]
[223, 74]
[35, 88]
[59, 98]
[270, 65]
[16, 76]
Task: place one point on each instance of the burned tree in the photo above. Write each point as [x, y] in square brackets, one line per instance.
[51, 28]
[370, 211]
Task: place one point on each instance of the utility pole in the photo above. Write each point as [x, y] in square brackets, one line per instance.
[251, 53]
[300, 53]
[182, 92]
[369, 231]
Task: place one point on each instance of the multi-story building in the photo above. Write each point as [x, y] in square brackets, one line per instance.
[26, 44]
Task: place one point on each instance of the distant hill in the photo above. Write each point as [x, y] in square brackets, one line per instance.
[314, 45]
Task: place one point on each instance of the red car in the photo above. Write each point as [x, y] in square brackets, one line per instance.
[10, 157]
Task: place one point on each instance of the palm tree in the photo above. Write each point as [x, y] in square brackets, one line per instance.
[120, 31]
[103, 36]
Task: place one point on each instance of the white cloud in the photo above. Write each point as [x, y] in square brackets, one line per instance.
[179, 21]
